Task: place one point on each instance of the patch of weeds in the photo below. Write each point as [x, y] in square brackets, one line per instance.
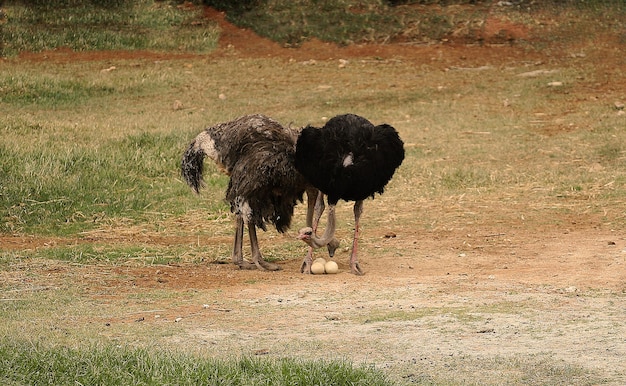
[461, 314]
[517, 370]
[89, 25]
[343, 22]
[8, 258]
[49, 91]
[506, 307]
[65, 187]
[28, 363]
[94, 253]
[611, 152]
[463, 178]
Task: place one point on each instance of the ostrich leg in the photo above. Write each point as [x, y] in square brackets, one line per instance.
[355, 268]
[257, 258]
[237, 247]
[311, 199]
[314, 213]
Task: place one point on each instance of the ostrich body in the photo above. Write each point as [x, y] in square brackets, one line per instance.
[264, 187]
[347, 159]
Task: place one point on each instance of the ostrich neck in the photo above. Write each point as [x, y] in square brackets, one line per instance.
[329, 232]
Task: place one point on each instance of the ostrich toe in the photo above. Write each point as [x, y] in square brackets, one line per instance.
[355, 268]
[246, 265]
[268, 266]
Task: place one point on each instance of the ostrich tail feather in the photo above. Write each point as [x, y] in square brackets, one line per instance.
[192, 166]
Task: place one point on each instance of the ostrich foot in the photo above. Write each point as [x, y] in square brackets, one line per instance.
[355, 268]
[332, 247]
[246, 265]
[262, 264]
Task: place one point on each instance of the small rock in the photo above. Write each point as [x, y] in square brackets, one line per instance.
[555, 84]
[178, 320]
[619, 105]
[177, 105]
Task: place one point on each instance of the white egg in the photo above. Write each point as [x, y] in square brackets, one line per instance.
[320, 260]
[331, 267]
[317, 268]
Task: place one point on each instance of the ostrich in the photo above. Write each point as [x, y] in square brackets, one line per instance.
[257, 153]
[350, 159]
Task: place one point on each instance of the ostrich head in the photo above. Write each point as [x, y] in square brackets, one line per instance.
[306, 235]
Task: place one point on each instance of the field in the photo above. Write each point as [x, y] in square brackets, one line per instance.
[497, 254]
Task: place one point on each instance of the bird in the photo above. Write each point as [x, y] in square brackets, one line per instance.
[257, 153]
[347, 159]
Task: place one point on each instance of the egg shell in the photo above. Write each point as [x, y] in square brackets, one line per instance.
[331, 267]
[317, 268]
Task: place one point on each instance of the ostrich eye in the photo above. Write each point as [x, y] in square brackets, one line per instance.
[308, 233]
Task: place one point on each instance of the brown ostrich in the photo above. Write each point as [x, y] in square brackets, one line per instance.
[258, 154]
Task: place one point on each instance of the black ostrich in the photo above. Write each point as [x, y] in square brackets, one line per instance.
[349, 159]
[264, 187]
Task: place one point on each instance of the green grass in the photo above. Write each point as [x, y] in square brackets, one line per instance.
[63, 185]
[116, 25]
[85, 150]
[30, 363]
[49, 91]
[114, 255]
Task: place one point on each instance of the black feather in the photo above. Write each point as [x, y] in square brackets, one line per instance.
[349, 158]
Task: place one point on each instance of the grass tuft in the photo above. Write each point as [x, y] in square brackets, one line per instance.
[34, 363]
[112, 25]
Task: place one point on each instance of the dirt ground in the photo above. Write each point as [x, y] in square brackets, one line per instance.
[484, 306]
